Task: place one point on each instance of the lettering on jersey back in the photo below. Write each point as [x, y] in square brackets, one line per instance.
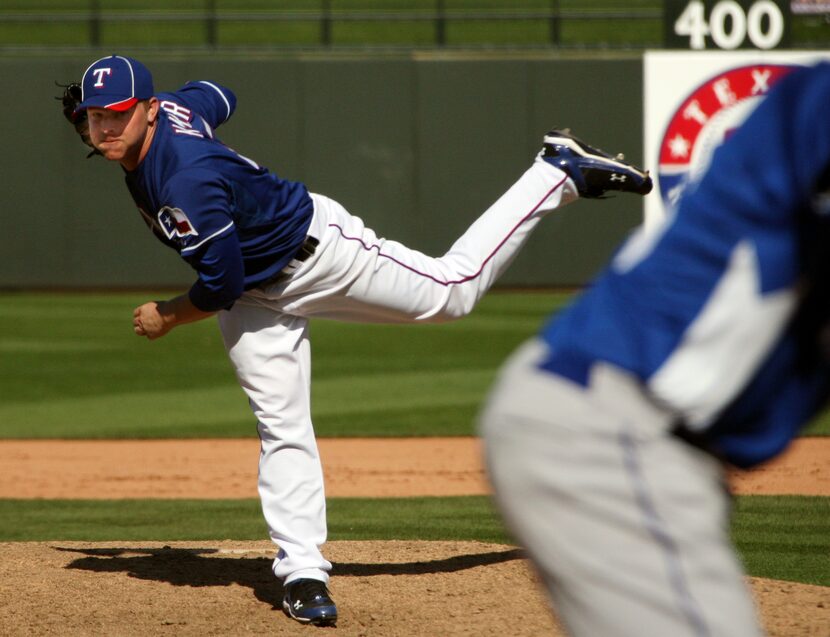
[180, 118]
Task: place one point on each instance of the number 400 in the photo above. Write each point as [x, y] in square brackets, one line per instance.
[729, 25]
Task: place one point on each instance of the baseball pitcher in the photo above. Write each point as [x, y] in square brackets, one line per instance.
[268, 255]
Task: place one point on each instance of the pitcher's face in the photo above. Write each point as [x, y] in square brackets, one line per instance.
[123, 136]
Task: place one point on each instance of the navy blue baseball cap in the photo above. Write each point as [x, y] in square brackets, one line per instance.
[115, 82]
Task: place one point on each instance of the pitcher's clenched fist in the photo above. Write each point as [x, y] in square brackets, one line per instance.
[148, 321]
[155, 318]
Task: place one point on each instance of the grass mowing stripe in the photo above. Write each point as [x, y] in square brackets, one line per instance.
[784, 537]
[459, 518]
[779, 537]
[127, 520]
[341, 406]
[426, 518]
[140, 414]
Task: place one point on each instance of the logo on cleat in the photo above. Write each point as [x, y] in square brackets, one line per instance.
[616, 177]
[298, 605]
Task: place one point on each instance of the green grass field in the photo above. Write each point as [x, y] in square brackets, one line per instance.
[123, 25]
[71, 362]
[70, 367]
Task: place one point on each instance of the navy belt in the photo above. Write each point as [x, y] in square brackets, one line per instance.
[306, 250]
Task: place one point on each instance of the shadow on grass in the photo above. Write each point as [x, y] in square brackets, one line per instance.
[193, 567]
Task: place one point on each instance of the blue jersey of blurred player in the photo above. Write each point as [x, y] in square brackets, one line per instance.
[703, 343]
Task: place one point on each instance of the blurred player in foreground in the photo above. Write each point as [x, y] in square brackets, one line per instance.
[269, 256]
[704, 343]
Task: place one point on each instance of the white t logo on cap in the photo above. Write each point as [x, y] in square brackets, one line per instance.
[99, 76]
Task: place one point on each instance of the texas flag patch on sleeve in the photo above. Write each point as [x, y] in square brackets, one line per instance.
[175, 224]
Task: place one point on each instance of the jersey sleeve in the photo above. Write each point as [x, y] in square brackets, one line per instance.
[221, 275]
[196, 218]
[213, 102]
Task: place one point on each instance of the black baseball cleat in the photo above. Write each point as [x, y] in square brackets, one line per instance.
[308, 601]
[593, 171]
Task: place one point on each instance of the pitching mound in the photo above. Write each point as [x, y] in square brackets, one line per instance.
[226, 588]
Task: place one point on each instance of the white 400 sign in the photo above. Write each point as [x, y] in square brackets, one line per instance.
[727, 24]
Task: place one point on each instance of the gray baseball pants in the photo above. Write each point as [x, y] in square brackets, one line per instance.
[627, 524]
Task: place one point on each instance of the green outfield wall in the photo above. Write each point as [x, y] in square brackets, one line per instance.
[417, 146]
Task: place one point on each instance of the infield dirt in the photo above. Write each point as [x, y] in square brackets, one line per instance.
[354, 467]
[382, 588]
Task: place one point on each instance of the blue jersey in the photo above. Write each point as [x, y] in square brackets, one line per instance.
[234, 222]
[720, 311]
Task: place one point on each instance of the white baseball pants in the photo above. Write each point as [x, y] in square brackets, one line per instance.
[626, 523]
[355, 276]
